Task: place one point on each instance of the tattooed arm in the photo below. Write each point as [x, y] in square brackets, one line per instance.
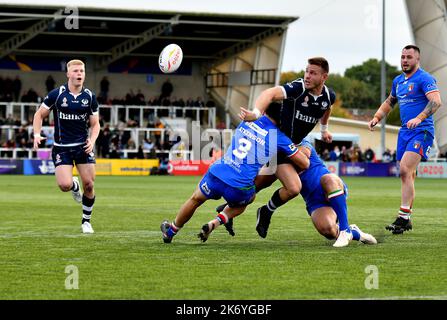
[434, 103]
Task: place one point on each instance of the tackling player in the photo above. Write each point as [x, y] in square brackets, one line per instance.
[74, 107]
[305, 102]
[232, 176]
[325, 195]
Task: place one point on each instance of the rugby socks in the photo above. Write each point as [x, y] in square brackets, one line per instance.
[405, 212]
[173, 229]
[75, 187]
[355, 234]
[275, 202]
[221, 218]
[337, 199]
[87, 207]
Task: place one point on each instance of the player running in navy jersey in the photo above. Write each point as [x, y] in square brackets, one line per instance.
[305, 102]
[232, 177]
[325, 195]
[418, 96]
[74, 107]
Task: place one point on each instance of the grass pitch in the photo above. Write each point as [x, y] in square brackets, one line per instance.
[127, 259]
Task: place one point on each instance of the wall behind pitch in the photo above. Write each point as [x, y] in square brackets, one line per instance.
[120, 83]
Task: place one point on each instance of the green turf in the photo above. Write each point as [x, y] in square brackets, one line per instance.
[126, 258]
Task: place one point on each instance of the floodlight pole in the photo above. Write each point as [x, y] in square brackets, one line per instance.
[383, 82]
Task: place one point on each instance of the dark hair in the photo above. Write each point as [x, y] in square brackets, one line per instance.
[412, 46]
[321, 62]
[274, 111]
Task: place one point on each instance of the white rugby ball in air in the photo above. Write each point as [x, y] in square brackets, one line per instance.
[170, 58]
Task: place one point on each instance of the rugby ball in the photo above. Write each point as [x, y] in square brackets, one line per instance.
[170, 58]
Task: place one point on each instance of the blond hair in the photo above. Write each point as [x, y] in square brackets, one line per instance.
[74, 62]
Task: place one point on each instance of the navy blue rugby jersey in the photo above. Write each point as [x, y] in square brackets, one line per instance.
[301, 110]
[71, 114]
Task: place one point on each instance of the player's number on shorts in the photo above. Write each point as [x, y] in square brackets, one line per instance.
[243, 148]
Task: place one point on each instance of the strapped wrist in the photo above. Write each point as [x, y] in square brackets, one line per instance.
[37, 135]
[324, 127]
[257, 112]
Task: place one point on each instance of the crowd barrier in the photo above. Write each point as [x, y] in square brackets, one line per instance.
[104, 167]
[142, 167]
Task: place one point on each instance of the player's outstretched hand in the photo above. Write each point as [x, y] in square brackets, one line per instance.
[247, 115]
[37, 141]
[88, 146]
[413, 123]
[373, 123]
[326, 136]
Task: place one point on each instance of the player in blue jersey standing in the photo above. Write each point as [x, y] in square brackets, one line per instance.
[232, 177]
[418, 96]
[74, 107]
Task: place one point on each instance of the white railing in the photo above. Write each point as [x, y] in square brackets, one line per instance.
[24, 111]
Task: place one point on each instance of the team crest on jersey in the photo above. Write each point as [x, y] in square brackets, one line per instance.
[292, 147]
[416, 145]
[410, 87]
[84, 102]
[324, 105]
[304, 104]
[64, 102]
[205, 188]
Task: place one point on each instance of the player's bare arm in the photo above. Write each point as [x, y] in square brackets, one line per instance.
[40, 114]
[326, 135]
[94, 132]
[432, 106]
[301, 159]
[262, 102]
[384, 109]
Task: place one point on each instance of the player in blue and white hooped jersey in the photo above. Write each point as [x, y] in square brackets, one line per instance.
[232, 177]
[418, 96]
[73, 107]
[325, 195]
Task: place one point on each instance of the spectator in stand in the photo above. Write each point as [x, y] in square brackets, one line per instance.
[220, 124]
[130, 144]
[369, 155]
[344, 156]
[50, 83]
[154, 101]
[140, 153]
[17, 88]
[21, 133]
[8, 89]
[104, 89]
[334, 155]
[148, 144]
[158, 133]
[139, 98]
[166, 89]
[386, 156]
[325, 156]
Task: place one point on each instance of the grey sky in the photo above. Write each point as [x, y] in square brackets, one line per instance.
[346, 32]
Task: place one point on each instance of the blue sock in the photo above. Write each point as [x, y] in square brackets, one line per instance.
[171, 233]
[355, 235]
[337, 199]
